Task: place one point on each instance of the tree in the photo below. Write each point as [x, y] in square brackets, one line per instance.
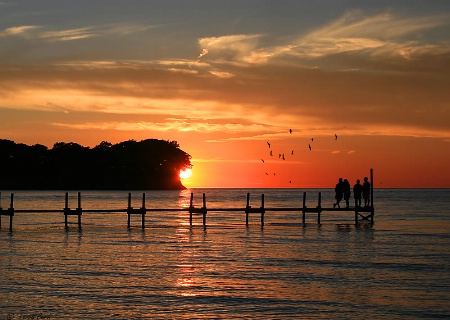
[148, 164]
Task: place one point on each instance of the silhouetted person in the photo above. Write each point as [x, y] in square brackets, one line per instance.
[339, 190]
[357, 191]
[347, 192]
[366, 192]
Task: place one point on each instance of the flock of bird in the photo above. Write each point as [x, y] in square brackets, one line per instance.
[281, 155]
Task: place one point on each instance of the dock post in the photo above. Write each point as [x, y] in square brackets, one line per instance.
[319, 209]
[79, 211]
[247, 207]
[204, 210]
[129, 210]
[262, 210]
[372, 211]
[304, 209]
[144, 211]
[191, 206]
[356, 216]
[11, 212]
[0, 210]
[66, 209]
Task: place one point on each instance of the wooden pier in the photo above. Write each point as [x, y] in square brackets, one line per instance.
[360, 213]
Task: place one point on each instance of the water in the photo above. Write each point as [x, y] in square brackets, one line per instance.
[396, 269]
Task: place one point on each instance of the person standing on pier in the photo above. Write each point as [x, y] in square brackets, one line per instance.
[366, 192]
[339, 190]
[347, 192]
[357, 191]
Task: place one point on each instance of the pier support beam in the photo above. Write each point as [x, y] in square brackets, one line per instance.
[249, 209]
[203, 210]
[130, 210]
[72, 212]
[319, 207]
[304, 209]
[8, 212]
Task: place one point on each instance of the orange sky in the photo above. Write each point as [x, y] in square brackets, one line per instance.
[224, 80]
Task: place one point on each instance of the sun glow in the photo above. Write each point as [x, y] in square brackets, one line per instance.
[185, 174]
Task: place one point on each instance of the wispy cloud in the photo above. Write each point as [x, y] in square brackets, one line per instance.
[181, 125]
[52, 35]
[67, 35]
[16, 30]
[381, 34]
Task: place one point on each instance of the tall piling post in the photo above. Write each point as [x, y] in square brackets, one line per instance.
[79, 211]
[319, 207]
[0, 210]
[66, 209]
[129, 210]
[143, 210]
[191, 206]
[247, 209]
[204, 211]
[262, 210]
[372, 210]
[11, 212]
[304, 209]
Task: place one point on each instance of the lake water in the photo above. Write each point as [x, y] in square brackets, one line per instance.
[399, 268]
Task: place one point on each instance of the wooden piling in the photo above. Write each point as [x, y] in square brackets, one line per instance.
[79, 211]
[68, 212]
[11, 212]
[66, 209]
[129, 208]
[143, 210]
[319, 208]
[204, 210]
[304, 209]
[372, 212]
[191, 207]
[262, 210]
[247, 209]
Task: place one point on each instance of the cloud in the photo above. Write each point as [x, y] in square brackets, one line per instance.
[230, 48]
[16, 30]
[181, 125]
[67, 35]
[52, 35]
[383, 34]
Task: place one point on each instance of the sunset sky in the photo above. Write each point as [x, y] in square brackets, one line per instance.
[224, 77]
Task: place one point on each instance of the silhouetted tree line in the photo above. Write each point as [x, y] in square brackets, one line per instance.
[145, 165]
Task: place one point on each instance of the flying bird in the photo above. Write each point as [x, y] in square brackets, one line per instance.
[312, 139]
[283, 157]
[268, 144]
[279, 155]
[292, 152]
[271, 154]
[309, 147]
[290, 130]
[262, 160]
[335, 136]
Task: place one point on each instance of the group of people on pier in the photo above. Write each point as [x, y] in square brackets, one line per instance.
[343, 190]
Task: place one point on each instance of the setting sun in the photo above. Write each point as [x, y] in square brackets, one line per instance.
[184, 174]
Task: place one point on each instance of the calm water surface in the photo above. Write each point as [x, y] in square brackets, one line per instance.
[396, 269]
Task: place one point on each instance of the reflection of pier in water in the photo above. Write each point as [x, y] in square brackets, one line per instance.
[360, 213]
